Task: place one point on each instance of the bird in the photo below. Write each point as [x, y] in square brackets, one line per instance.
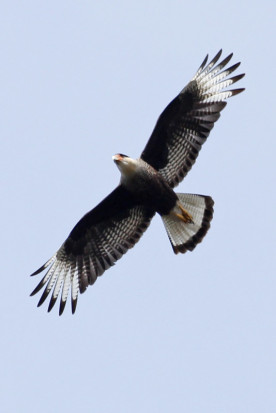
[107, 232]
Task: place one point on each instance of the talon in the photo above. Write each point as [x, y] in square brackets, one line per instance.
[185, 216]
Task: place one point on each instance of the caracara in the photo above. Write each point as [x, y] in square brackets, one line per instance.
[105, 233]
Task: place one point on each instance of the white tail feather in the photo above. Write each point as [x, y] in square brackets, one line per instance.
[184, 235]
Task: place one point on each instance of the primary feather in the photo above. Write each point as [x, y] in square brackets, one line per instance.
[185, 124]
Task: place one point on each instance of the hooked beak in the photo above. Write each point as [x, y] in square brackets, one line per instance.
[117, 157]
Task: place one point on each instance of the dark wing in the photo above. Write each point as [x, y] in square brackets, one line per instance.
[99, 239]
[186, 122]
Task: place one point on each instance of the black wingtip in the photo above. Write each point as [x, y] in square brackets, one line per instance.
[39, 270]
[37, 288]
[226, 60]
[237, 91]
[74, 305]
[237, 78]
[61, 307]
[216, 58]
[203, 64]
[44, 266]
[43, 297]
[52, 303]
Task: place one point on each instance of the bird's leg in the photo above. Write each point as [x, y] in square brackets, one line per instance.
[184, 216]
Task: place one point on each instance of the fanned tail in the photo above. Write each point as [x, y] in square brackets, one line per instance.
[188, 222]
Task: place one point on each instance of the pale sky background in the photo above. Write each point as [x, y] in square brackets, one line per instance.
[81, 81]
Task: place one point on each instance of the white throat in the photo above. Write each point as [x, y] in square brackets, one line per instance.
[127, 166]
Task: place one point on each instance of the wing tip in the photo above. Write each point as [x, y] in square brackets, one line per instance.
[237, 91]
[52, 303]
[39, 270]
[62, 307]
[43, 297]
[74, 305]
[44, 266]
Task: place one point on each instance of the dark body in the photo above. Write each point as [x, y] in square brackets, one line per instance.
[155, 195]
[149, 188]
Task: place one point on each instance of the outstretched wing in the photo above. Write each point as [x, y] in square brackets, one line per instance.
[186, 122]
[99, 239]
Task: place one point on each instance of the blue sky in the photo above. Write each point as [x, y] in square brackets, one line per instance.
[81, 81]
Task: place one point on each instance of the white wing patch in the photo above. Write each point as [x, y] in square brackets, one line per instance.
[104, 244]
[189, 128]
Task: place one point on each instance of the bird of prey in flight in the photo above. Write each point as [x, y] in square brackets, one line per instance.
[105, 233]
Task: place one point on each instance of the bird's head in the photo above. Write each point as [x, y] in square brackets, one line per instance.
[127, 166]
